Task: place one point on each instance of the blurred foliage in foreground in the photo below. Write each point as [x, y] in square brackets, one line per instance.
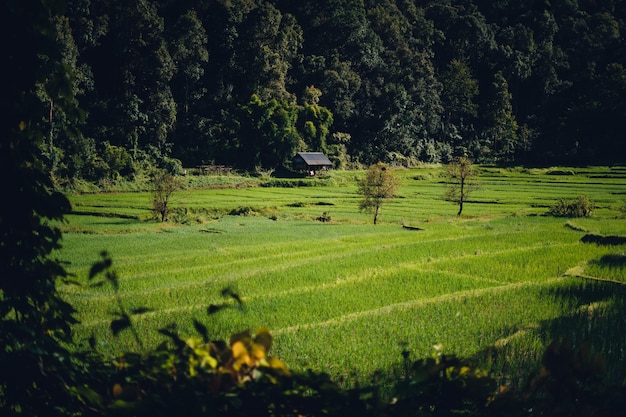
[194, 377]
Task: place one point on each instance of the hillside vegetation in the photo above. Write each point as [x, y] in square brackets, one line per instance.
[247, 83]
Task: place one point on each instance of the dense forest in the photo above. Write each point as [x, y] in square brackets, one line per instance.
[247, 83]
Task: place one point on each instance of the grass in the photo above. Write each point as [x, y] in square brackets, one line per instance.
[347, 297]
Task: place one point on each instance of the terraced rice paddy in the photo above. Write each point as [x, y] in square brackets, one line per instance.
[348, 297]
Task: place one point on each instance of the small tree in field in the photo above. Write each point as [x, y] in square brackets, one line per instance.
[378, 185]
[462, 181]
[164, 185]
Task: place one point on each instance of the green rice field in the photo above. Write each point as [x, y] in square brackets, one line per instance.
[347, 297]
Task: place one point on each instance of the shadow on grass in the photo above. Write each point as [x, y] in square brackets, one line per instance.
[611, 260]
[596, 318]
[604, 240]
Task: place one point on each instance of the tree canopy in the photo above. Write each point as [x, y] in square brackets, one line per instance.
[247, 83]
[378, 185]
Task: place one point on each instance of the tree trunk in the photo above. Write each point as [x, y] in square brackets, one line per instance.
[461, 195]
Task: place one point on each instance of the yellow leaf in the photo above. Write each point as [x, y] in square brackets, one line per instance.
[240, 354]
[263, 338]
[117, 390]
[210, 360]
[279, 365]
[257, 351]
[238, 349]
[192, 342]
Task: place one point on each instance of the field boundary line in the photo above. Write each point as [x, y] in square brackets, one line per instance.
[353, 316]
[337, 282]
[423, 264]
[578, 272]
[457, 296]
[123, 261]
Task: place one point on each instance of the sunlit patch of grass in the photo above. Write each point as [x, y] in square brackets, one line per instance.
[346, 297]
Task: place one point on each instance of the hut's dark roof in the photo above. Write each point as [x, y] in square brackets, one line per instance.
[314, 158]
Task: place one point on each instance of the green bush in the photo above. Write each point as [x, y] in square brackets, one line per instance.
[297, 182]
[242, 211]
[557, 171]
[297, 204]
[324, 218]
[186, 215]
[579, 207]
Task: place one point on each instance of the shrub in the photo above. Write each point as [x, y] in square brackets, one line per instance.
[164, 186]
[579, 207]
[560, 172]
[441, 385]
[263, 173]
[242, 211]
[186, 215]
[295, 182]
[324, 218]
[297, 204]
[172, 165]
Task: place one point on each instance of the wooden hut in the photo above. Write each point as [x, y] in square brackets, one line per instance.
[311, 162]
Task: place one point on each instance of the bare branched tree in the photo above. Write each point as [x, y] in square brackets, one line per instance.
[462, 181]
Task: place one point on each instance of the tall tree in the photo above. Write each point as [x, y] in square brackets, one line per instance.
[136, 108]
[187, 41]
[462, 181]
[405, 107]
[463, 32]
[57, 145]
[378, 185]
[317, 120]
[459, 92]
[268, 135]
[269, 43]
[340, 84]
[502, 128]
[516, 46]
